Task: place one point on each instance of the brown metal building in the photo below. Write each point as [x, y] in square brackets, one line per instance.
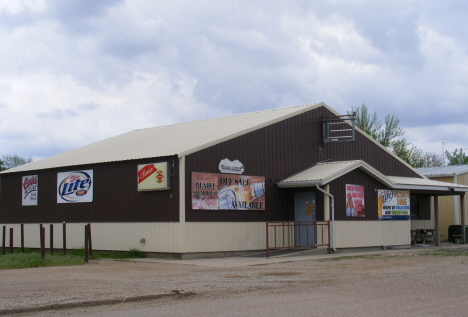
[191, 217]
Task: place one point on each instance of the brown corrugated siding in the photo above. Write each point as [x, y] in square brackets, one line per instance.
[278, 151]
[116, 198]
[356, 177]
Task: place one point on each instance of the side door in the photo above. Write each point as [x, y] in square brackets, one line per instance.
[304, 206]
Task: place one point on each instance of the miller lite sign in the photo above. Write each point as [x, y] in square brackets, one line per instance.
[153, 176]
[29, 190]
[75, 187]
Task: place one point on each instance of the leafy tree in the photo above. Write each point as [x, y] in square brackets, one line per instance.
[457, 158]
[10, 161]
[407, 152]
[367, 122]
[371, 124]
[431, 160]
[2, 168]
[388, 137]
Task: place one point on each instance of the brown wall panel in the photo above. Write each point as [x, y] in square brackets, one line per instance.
[280, 150]
[115, 197]
[356, 177]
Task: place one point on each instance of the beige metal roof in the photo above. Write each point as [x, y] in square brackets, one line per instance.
[178, 139]
[323, 173]
[443, 171]
[424, 183]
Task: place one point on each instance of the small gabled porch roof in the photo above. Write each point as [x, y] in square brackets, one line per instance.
[325, 172]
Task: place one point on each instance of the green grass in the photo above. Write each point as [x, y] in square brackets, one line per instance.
[33, 259]
[132, 254]
[446, 252]
[30, 259]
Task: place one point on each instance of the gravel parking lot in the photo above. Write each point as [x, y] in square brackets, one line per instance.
[396, 281]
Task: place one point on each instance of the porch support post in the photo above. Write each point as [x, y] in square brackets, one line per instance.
[463, 217]
[436, 220]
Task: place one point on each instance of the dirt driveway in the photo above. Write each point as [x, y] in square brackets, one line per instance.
[397, 279]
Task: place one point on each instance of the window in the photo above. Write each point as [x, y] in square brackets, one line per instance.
[414, 208]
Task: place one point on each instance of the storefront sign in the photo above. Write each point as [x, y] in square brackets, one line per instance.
[75, 187]
[226, 192]
[153, 176]
[394, 204]
[355, 201]
[29, 190]
[234, 167]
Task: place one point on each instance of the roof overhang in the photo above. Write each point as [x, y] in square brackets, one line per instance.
[411, 183]
[325, 172]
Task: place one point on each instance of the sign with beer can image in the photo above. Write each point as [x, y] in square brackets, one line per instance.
[393, 204]
[227, 192]
[355, 201]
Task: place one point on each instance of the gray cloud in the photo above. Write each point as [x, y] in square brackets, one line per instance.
[115, 66]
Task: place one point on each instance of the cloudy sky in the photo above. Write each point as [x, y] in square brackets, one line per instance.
[76, 72]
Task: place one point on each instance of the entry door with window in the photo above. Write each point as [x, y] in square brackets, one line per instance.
[304, 234]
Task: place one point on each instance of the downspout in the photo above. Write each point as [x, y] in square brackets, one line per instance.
[332, 215]
[455, 201]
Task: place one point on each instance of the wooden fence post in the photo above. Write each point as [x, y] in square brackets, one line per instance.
[4, 239]
[42, 241]
[86, 244]
[11, 240]
[51, 239]
[90, 243]
[64, 238]
[22, 238]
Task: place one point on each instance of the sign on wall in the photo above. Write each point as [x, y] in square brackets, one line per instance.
[232, 167]
[393, 204]
[29, 190]
[355, 201]
[227, 192]
[153, 176]
[75, 187]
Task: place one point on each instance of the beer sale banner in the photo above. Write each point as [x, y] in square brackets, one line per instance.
[226, 191]
[355, 201]
[393, 204]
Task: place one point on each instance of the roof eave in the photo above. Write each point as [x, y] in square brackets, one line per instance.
[434, 188]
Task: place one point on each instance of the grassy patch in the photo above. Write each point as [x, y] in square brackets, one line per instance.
[33, 259]
[30, 258]
[345, 257]
[446, 252]
[132, 254]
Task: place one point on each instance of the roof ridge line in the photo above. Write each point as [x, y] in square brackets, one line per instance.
[227, 116]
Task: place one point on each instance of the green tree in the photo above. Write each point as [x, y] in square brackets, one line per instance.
[367, 122]
[10, 161]
[456, 158]
[2, 168]
[388, 136]
[371, 124]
